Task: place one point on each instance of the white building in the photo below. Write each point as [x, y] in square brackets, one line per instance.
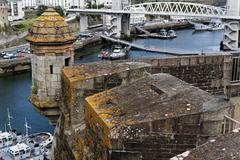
[63, 3]
[29, 3]
[137, 18]
[16, 10]
[107, 3]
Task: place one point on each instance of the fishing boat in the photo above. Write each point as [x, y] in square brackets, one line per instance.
[15, 146]
[212, 26]
[202, 27]
[22, 151]
[171, 34]
[103, 55]
[117, 53]
[163, 33]
[216, 26]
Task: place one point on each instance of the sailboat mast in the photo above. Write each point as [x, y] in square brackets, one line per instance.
[26, 127]
[9, 120]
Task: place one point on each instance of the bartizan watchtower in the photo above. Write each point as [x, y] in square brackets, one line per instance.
[51, 43]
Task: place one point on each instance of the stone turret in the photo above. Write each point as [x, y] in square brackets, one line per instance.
[51, 43]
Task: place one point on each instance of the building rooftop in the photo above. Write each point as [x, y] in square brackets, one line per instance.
[156, 97]
[50, 28]
[91, 70]
[224, 147]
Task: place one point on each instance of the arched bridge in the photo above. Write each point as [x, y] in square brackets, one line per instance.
[177, 9]
[120, 21]
[164, 8]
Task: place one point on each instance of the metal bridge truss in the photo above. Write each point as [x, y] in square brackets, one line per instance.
[177, 8]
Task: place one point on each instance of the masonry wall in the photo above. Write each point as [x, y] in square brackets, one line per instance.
[160, 139]
[204, 72]
[14, 66]
[167, 138]
[72, 128]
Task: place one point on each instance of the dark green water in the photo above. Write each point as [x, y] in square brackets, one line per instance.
[14, 90]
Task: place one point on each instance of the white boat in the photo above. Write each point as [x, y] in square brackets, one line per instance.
[217, 26]
[15, 146]
[163, 33]
[171, 34]
[212, 26]
[22, 151]
[202, 27]
[118, 53]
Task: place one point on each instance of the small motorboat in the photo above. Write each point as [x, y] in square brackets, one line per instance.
[104, 55]
[118, 53]
[200, 26]
[163, 33]
[216, 27]
[171, 34]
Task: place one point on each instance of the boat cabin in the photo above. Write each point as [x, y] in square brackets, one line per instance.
[6, 139]
[19, 151]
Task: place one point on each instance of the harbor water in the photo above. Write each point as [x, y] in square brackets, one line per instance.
[14, 90]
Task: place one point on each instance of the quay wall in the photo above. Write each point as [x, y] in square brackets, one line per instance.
[15, 66]
[22, 65]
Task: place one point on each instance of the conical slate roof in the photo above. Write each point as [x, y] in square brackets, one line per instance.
[50, 28]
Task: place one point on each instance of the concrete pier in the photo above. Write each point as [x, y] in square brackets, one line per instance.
[83, 23]
[232, 27]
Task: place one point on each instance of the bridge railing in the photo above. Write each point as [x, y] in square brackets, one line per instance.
[182, 8]
[230, 124]
[235, 70]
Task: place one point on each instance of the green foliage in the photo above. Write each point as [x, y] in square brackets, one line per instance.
[42, 9]
[9, 30]
[59, 10]
[138, 1]
[25, 25]
[30, 14]
[94, 5]
[77, 19]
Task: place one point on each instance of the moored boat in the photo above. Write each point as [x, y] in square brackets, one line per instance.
[118, 53]
[171, 34]
[15, 146]
[163, 33]
[103, 55]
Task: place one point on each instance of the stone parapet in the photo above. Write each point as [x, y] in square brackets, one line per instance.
[204, 72]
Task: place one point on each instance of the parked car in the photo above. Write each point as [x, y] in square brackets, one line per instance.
[3, 54]
[9, 56]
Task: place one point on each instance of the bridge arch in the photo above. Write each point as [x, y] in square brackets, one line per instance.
[177, 8]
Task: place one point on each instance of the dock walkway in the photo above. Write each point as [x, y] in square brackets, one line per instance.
[142, 30]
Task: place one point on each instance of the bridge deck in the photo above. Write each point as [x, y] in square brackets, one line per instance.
[139, 47]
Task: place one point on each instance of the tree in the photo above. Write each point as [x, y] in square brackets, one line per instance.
[59, 10]
[42, 9]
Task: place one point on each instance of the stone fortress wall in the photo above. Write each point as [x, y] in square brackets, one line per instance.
[205, 72]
